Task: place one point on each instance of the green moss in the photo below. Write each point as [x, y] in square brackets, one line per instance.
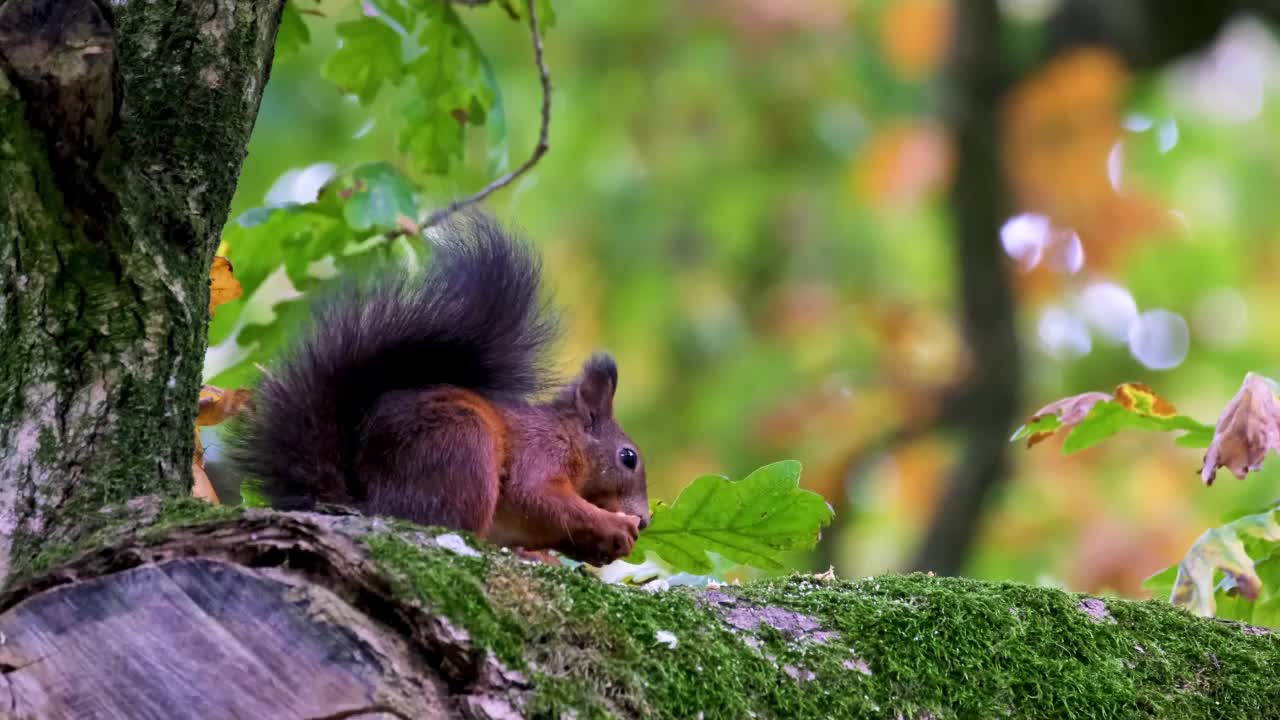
[930, 647]
[945, 648]
[104, 526]
[454, 589]
[47, 449]
[183, 511]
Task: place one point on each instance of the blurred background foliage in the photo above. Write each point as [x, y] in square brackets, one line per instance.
[745, 201]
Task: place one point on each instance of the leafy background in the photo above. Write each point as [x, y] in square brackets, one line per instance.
[744, 201]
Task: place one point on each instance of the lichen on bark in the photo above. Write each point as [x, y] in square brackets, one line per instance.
[123, 130]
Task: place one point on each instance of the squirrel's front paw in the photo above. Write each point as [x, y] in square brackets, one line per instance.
[537, 556]
[611, 538]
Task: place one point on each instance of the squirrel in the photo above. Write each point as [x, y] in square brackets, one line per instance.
[421, 395]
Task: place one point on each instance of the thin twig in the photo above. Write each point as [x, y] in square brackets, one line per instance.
[539, 150]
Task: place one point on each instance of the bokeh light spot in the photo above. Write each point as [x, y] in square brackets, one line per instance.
[1062, 334]
[1109, 309]
[1159, 339]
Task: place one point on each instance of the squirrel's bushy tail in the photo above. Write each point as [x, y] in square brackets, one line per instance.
[474, 319]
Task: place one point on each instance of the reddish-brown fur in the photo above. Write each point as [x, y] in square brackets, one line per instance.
[417, 397]
[451, 441]
[514, 474]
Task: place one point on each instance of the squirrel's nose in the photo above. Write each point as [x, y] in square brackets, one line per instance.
[644, 521]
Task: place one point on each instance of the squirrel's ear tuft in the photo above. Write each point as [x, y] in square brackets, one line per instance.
[593, 391]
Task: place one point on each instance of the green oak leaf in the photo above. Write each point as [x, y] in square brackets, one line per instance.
[1199, 438]
[451, 91]
[293, 34]
[317, 242]
[1043, 425]
[432, 140]
[264, 341]
[370, 55]
[1160, 584]
[546, 15]
[398, 12]
[372, 197]
[752, 521]
[368, 258]
[1092, 417]
[1108, 418]
[264, 239]
[254, 249]
[497, 121]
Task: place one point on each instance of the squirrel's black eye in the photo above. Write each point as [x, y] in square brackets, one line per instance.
[628, 458]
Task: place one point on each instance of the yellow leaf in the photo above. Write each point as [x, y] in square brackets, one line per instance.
[223, 286]
[1142, 400]
[913, 35]
[213, 406]
[1060, 126]
[216, 404]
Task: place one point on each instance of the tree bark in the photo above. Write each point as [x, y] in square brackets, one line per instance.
[122, 131]
[274, 615]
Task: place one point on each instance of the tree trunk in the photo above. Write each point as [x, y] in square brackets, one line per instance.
[122, 131]
[1146, 34]
[273, 615]
[977, 76]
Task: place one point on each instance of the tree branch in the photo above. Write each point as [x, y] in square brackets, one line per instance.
[540, 149]
[1145, 33]
[300, 615]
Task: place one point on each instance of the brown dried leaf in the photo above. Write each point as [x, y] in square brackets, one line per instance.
[223, 286]
[1248, 427]
[202, 488]
[216, 404]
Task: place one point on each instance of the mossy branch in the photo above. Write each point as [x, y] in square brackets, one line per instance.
[334, 615]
